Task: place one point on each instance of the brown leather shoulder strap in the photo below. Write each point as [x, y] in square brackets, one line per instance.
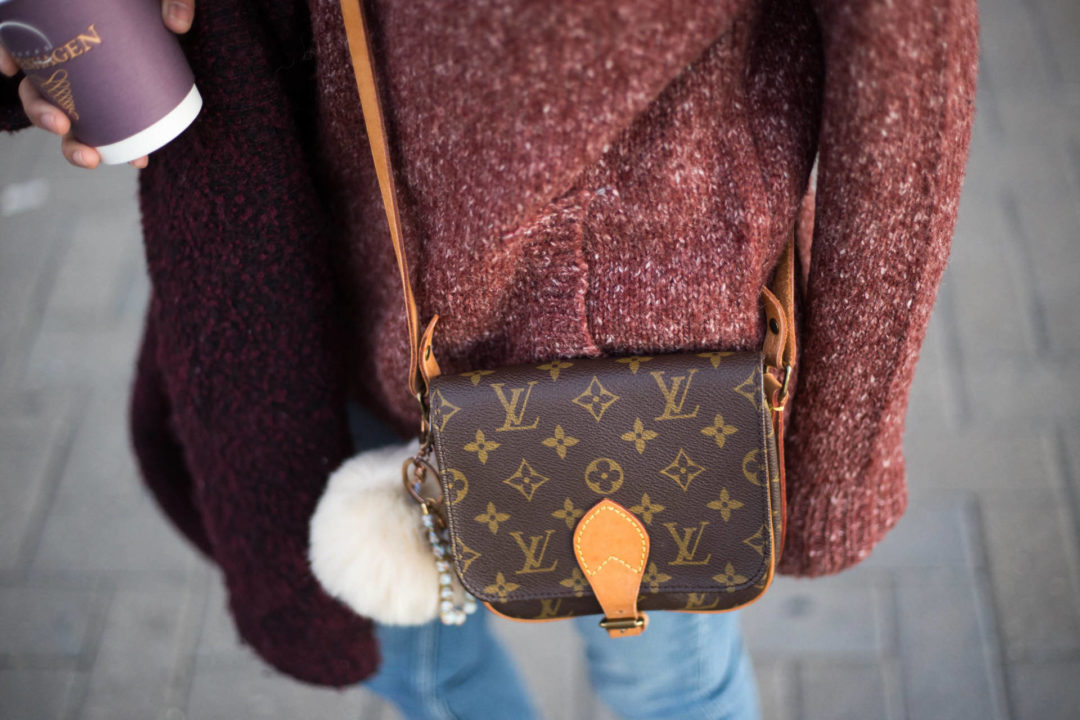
[363, 67]
[779, 301]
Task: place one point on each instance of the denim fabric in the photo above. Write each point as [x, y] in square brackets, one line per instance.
[685, 666]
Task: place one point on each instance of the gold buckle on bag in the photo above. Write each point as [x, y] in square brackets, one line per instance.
[622, 623]
[782, 397]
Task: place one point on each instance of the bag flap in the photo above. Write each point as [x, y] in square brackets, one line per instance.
[683, 441]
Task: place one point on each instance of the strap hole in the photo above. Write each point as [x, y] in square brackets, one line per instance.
[774, 326]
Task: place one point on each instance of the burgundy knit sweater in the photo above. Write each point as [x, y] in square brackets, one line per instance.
[579, 178]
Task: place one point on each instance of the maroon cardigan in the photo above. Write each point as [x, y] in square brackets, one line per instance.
[578, 178]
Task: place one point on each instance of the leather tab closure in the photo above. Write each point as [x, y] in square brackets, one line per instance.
[775, 329]
[612, 547]
[429, 366]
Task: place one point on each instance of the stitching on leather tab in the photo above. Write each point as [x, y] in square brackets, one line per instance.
[594, 513]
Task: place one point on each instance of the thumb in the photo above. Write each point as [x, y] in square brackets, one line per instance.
[178, 14]
[7, 63]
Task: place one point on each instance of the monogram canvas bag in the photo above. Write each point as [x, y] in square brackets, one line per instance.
[610, 486]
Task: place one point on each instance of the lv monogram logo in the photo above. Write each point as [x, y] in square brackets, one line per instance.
[549, 608]
[673, 399]
[514, 416]
[686, 550]
[534, 552]
[696, 601]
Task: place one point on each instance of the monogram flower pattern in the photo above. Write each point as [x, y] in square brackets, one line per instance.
[719, 430]
[715, 357]
[729, 578]
[492, 518]
[639, 436]
[576, 582]
[554, 367]
[568, 513]
[646, 509]
[596, 399]
[560, 441]
[482, 446]
[653, 578]
[501, 587]
[526, 480]
[476, 375]
[725, 505]
[633, 362]
[683, 470]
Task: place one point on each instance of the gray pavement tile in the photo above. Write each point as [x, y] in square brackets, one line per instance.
[777, 688]
[937, 530]
[1009, 48]
[253, 692]
[136, 297]
[103, 521]
[21, 151]
[27, 259]
[550, 659]
[841, 616]
[218, 639]
[985, 457]
[48, 624]
[1068, 447]
[1033, 567]
[140, 665]
[1046, 690]
[231, 681]
[82, 356]
[1043, 216]
[98, 266]
[935, 403]
[36, 694]
[35, 431]
[847, 691]
[1057, 21]
[987, 284]
[1021, 396]
[949, 665]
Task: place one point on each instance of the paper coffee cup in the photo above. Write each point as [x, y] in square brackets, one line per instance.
[110, 65]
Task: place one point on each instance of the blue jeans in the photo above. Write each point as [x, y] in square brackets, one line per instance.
[685, 666]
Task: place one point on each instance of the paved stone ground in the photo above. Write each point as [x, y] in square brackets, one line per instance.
[970, 609]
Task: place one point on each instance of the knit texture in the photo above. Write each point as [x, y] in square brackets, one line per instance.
[577, 178]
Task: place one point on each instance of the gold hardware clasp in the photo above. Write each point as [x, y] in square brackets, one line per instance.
[783, 393]
[622, 623]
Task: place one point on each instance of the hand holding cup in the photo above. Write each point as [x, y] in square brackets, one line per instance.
[177, 16]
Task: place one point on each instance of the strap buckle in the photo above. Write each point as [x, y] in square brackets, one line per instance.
[623, 623]
[782, 395]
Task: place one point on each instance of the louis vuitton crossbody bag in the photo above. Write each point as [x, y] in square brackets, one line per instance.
[608, 486]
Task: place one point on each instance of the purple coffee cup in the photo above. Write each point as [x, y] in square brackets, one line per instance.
[111, 65]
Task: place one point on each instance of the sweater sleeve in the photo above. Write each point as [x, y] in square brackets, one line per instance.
[245, 334]
[12, 117]
[897, 113]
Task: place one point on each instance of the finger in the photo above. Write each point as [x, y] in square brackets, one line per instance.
[40, 111]
[140, 162]
[78, 154]
[178, 14]
[7, 63]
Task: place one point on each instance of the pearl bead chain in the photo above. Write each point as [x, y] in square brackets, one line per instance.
[449, 613]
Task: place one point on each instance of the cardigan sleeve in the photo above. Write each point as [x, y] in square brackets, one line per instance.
[244, 339]
[897, 113]
[12, 117]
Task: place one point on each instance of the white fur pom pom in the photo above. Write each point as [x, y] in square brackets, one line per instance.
[367, 545]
